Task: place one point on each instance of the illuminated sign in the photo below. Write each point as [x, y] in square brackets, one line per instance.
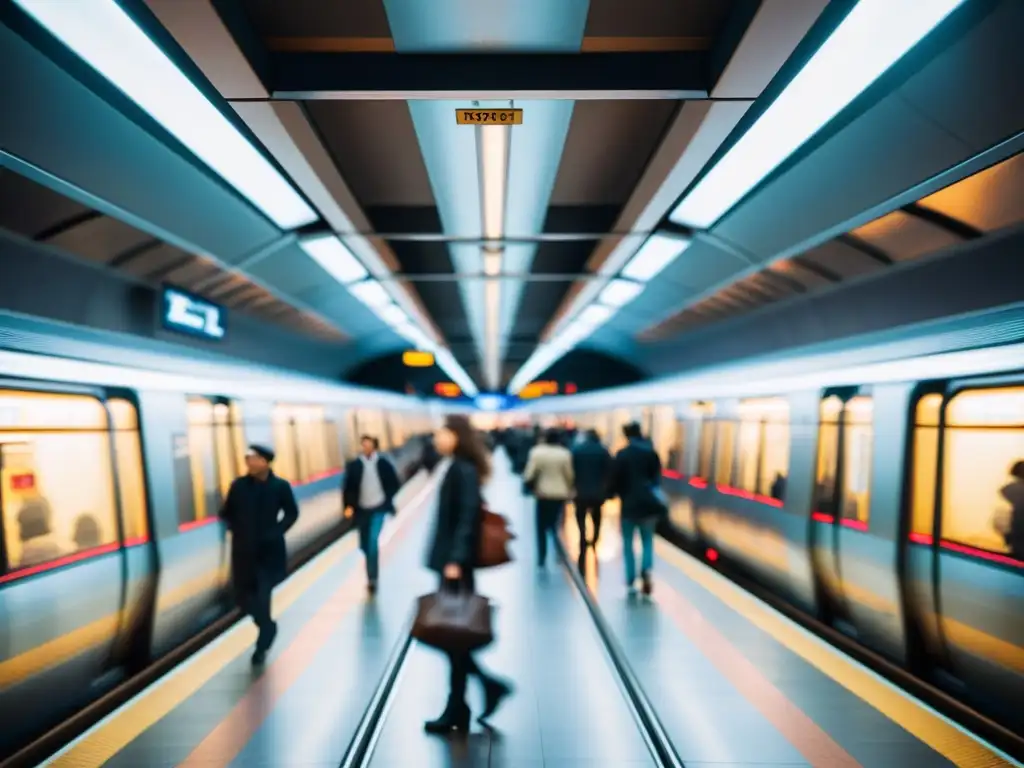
[538, 389]
[570, 388]
[447, 389]
[490, 402]
[185, 313]
[416, 359]
[476, 116]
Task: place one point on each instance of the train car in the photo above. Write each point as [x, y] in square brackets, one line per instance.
[111, 477]
[883, 499]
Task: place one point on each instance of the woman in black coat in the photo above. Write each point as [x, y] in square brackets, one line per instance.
[464, 466]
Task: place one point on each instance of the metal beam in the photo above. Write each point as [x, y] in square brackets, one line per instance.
[450, 277]
[415, 76]
[440, 237]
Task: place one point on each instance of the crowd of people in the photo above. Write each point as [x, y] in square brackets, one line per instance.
[557, 466]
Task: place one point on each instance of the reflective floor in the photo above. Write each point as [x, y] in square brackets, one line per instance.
[733, 682]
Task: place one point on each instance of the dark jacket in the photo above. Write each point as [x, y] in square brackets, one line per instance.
[251, 512]
[592, 466]
[635, 466]
[354, 478]
[457, 525]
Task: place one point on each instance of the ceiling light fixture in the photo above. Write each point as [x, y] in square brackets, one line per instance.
[107, 39]
[334, 257]
[371, 293]
[619, 292]
[657, 252]
[450, 365]
[392, 314]
[493, 144]
[872, 38]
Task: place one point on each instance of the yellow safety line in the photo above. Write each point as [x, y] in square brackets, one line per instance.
[125, 725]
[933, 729]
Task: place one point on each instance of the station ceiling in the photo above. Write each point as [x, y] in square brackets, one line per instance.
[625, 108]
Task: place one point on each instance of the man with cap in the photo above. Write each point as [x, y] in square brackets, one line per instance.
[368, 492]
[259, 509]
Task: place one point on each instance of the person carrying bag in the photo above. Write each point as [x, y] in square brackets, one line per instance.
[455, 619]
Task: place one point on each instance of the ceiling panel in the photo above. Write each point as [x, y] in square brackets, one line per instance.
[608, 146]
[989, 200]
[375, 148]
[318, 19]
[152, 260]
[99, 240]
[29, 209]
[657, 18]
[904, 237]
[841, 259]
[290, 270]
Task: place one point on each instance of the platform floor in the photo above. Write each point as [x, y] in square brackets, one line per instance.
[733, 682]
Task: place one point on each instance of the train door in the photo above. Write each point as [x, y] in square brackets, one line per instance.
[978, 544]
[841, 493]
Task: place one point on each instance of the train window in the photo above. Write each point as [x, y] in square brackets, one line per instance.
[228, 435]
[926, 463]
[56, 479]
[677, 458]
[748, 449]
[130, 476]
[351, 435]
[707, 448]
[983, 491]
[302, 442]
[238, 437]
[858, 433]
[202, 458]
[334, 459]
[828, 455]
[725, 448]
[664, 433]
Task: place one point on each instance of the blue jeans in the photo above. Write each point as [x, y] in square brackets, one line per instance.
[369, 522]
[646, 530]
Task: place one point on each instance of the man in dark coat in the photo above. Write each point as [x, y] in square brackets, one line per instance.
[259, 509]
[370, 486]
[636, 473]
[592, 467]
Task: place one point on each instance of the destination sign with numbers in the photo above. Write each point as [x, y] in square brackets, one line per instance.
[489, 116]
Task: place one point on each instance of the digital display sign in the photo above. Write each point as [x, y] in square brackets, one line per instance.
[184, 313]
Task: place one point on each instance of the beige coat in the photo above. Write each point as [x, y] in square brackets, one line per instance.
[550, 468]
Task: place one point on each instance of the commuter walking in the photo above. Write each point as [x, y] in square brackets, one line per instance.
[259, 509]
[463, 468]
[368, 492]
[549, 474]
[592, 466]
[636, 480]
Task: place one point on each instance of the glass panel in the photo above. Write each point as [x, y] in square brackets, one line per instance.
[56, 487]
[774, 461]
[828, 455]
[130, 474]
[725, 444]
[707, 447]
[983, 491]
[205, 490]
[926, 464]
[857, 450]
[748, 450]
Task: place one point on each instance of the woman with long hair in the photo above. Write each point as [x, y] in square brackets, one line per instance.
[463, 469]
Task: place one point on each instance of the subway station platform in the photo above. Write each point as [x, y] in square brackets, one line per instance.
[733, 682]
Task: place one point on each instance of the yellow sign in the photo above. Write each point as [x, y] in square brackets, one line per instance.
[416, 359]
[447, 389]
[489, 116]
[538, 389]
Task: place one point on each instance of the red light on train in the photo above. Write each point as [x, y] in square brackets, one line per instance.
[711, 554]
[570, 388]
[24, 482]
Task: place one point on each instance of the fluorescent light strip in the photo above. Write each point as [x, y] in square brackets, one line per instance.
[414, 335]
[106, 38]
[492, 305]
[335, 259]
[371, 293]
[392, 314]
[493, 146]
[872, 38]
[657, 252]
[620, 292]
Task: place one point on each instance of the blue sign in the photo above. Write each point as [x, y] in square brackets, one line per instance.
[185, 313]
[491, 402]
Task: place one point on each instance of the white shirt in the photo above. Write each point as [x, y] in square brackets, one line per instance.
[371, 492]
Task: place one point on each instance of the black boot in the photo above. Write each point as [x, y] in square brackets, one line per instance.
[454, 720]
[495, 692]
[648, 587]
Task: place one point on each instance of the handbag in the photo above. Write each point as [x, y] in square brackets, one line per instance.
[494, 538]
[456, 621]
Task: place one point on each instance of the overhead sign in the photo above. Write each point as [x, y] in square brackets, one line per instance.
[415, 359]
[447, 389]
[185, 313]
[476, 116]
[491, 402]
[538, 389]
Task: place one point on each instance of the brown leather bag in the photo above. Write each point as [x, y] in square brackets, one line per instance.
[453, 620]
[494, 538]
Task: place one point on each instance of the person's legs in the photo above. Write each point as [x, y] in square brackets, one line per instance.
[581, 522]
[628, 556]
[373, 528]
[260, 610]
[647, 554]
[542, 537]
